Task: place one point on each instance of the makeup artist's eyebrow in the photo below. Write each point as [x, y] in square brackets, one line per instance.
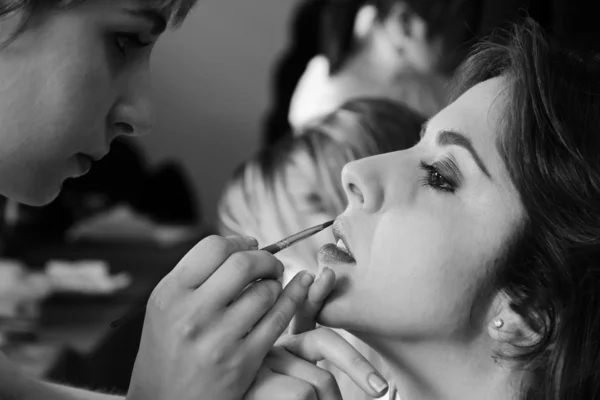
[158, 21]
[452, 138]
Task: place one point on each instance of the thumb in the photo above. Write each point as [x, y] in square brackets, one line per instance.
[324, 344]
[305, 318]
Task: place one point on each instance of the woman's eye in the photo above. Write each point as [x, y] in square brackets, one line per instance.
[129, 41]
[435, 180]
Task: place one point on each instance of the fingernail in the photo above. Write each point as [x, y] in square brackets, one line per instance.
[377, 383]
[307, 279]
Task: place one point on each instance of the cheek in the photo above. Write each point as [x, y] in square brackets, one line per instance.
[428, 272]
[76, 99]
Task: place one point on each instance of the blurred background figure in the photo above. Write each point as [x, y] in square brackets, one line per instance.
[402, 49]
[295, 184]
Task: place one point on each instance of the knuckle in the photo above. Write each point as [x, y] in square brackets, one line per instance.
[160, 298]
[289, 341]
[281, 320]
[295, 299]
[358, 360]
[241, 263]
[274, 286]
[217, 355]
[264, 291]
[185, 329]
[325, 381]
[303, 392]
[216, 244]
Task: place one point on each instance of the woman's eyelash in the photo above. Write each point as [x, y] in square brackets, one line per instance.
[436, 180]
[125, 40]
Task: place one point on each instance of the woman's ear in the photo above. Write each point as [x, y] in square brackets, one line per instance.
[365, 20]
[507, 327]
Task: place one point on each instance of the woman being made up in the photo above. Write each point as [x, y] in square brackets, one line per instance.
[470, 261]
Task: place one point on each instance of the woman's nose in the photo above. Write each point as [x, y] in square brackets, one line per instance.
[362, 183]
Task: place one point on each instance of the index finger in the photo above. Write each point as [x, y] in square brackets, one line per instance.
[208, 255]
[264, 334]
[324, 344]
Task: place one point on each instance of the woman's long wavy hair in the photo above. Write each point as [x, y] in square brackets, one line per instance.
[551, 148]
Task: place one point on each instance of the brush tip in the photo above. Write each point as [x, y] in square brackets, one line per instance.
[327, 224]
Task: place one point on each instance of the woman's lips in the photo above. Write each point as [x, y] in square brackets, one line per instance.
[330, 253]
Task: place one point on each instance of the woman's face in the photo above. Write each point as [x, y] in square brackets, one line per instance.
[426, 227]
[69, 85]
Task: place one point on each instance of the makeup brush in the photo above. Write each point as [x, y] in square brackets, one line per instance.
[296, 238]
[273, 249]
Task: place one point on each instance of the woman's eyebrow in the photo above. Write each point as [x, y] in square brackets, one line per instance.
[452, 138]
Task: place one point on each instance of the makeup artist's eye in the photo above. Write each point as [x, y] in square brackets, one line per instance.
[125, 41]
[437, 180]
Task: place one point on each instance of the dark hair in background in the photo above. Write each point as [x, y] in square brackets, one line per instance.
[305, 41]
[551, 148]
[456, 20]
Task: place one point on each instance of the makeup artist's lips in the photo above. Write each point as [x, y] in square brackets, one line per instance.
[339, 252]
[85, 162]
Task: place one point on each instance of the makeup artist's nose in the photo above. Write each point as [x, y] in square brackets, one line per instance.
[362, 184]
[133, 113]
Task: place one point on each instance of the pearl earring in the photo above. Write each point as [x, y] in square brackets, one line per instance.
[498, 323]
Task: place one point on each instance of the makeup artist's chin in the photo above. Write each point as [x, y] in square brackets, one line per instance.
[38, 195]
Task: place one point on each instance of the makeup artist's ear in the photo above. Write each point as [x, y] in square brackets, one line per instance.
[506, 326]
[365, 20]
[404, 28]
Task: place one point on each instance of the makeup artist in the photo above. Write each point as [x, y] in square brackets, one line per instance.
[74, 75]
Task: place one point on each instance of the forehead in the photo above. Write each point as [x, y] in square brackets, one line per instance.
[477, 114]
[174, 11]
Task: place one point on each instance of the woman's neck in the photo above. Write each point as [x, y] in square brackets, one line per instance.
[446, 371]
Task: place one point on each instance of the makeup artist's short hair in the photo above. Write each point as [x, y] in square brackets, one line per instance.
[551, 148]
[460, 17]
[360, 128]
[174, 10]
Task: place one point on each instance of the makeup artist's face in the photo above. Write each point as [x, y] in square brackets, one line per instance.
[426, 227]
[69, 85]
